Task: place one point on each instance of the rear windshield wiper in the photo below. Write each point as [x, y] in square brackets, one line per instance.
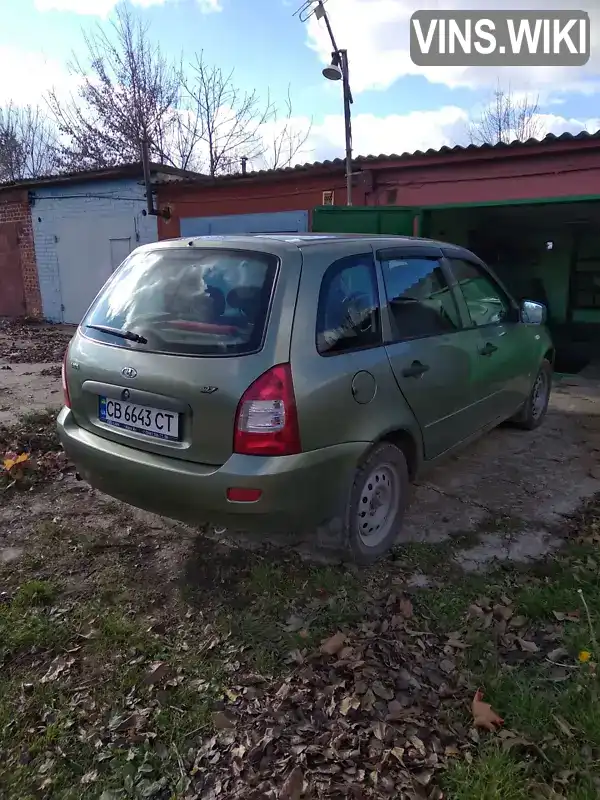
[129, 335]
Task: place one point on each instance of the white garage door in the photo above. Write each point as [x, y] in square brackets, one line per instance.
[88, 253]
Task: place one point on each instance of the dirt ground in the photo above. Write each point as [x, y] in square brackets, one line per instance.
[503, 499]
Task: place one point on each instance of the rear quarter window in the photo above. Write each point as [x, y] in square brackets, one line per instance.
[348, 313]
[187, 302]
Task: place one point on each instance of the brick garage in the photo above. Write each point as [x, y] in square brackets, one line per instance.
[62, 236]
[555, 167]
[254, 200]
[19, 285]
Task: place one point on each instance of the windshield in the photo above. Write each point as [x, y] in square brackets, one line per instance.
[187, 302]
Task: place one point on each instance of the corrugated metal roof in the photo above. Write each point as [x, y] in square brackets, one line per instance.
[134, 170]
[186, 176]
[361, 161]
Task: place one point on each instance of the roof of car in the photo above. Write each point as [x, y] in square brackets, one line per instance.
[300, 239]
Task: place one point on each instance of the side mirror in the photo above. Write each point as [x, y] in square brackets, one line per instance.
[533, 313]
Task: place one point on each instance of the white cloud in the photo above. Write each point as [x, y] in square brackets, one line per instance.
[376, 35]
[35, 76]
[395, 133]
[209, 6]
[406, 133]
[102, 8]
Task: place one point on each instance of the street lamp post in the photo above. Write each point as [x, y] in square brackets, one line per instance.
[337, 70]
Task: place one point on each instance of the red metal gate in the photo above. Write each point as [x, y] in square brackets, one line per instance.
[12, 292]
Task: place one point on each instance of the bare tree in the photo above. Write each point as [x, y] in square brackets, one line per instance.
[287, 141]
[231, 124]
[507, 119]
[194, 118]
[128, 91]
[27, 143]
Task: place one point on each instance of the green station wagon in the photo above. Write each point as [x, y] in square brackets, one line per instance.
[270, 383]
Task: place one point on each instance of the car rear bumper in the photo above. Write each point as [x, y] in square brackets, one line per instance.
[297, 492]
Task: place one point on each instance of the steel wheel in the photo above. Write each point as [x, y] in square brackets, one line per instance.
[534, 409]
[378, 505]
[539, 395]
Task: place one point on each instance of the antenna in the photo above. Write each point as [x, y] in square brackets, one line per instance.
[309, 9]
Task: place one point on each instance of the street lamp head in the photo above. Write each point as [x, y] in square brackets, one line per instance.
[332, 73]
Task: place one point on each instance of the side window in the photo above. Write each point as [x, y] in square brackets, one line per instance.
[420, 300]
[485, 300]
[348, 316]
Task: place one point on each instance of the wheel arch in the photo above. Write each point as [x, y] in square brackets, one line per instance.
[550, 355]
[410, 445]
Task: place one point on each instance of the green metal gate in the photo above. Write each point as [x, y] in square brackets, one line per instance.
[393, 220]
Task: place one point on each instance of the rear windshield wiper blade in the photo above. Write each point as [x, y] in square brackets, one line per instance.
[129, 335]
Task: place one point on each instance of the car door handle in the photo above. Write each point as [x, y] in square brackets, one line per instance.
[415, 370]
[488, 349]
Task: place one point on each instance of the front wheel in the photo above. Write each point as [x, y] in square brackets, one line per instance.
[534, 410]
[377, 503]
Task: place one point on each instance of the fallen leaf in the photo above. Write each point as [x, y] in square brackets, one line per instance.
[158, 671]
[382, 691]
[456, 643]
[349, 702]
[406, 607]
[124, 722]
[557, 653]
[528, 647]
[424, 778]
[483, 714]
[58, 666]
[503, 612]
[518, 622]
[367, 700]
[563, 725]
[333, 645]
[221, 721]
[569, 616]
[294, 624]
[447, 666]
[396, 711]
[476, 611]
[292, 788]
[379, 728]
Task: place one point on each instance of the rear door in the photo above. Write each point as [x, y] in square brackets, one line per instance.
[505, 366]
[430, 352]
[211, 320]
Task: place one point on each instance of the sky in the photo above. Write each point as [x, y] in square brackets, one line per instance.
[398, 107]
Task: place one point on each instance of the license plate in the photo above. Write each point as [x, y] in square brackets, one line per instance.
[154, 422]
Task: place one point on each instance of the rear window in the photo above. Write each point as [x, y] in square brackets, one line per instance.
[187, 302]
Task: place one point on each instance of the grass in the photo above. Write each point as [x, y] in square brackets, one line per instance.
[58, 731]
[111, 671]
[557, 716]
[272, 609]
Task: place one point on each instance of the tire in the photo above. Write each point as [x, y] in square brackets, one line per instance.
[534, 410]
[381, 477]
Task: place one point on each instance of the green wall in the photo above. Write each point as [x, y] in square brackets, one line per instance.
[550, 266]
[453, 225]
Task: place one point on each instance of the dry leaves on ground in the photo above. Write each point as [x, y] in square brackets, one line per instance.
[30, 343]
[372, 713]
[483, 714]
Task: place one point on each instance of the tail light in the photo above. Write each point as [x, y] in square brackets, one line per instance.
[266, 421]
[67, 398]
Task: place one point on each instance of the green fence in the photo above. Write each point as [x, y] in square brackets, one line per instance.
[360, 219]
